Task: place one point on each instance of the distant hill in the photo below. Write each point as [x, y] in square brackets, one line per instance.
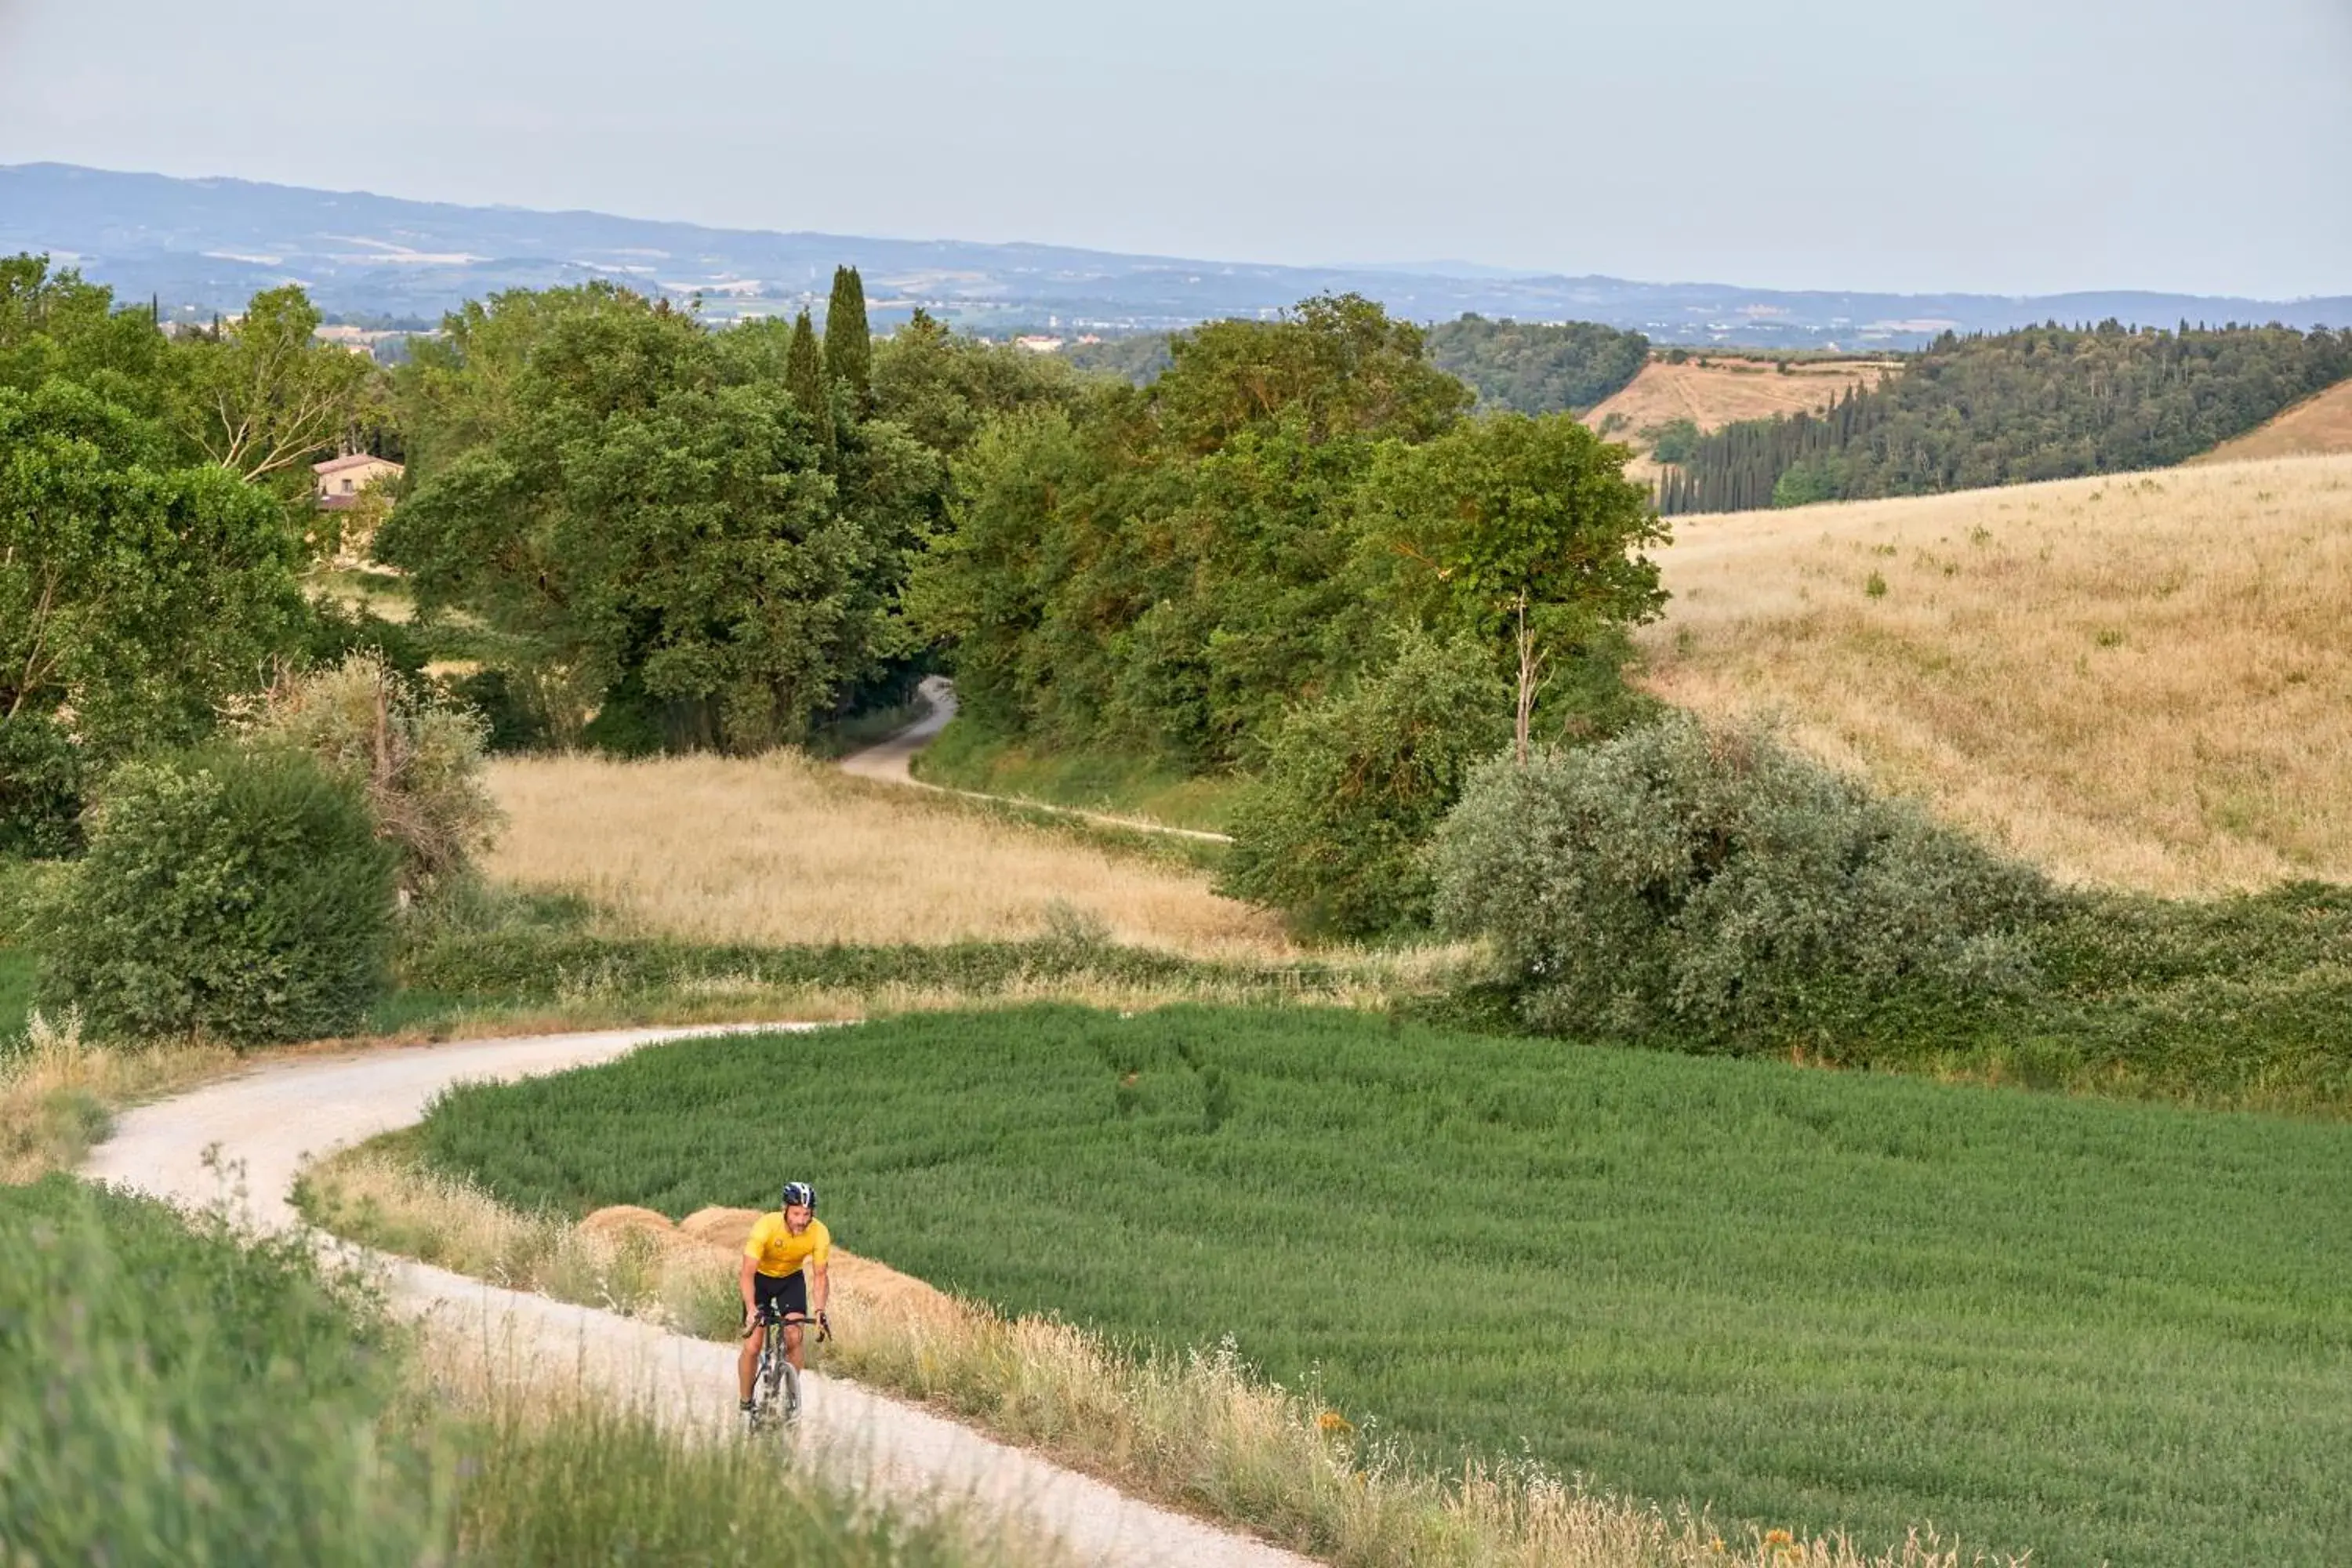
[1705, 396]
[200, 246]
[2006, 408]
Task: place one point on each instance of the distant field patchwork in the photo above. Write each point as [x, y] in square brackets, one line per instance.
[2106, 1331]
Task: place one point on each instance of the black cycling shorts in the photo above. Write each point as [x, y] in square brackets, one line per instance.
[787, 1296]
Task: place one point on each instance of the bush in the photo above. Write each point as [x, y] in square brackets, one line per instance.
[1715, 884]
[1334, 831]
[233, 894]
[513, 716]
[418, 763]
[41, 781]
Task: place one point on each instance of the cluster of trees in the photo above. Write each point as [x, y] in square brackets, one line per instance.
[155, 522]
[1298, 551]
[1169, 569]
[1297, 547]
[699, 538]
[1530, 367]
[2043, 403]
[1538, 367]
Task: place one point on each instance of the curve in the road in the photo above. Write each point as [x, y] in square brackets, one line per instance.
[258, 1128]
[891, 762]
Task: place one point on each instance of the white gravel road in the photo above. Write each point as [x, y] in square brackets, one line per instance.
[268, 1120]
[889, 761]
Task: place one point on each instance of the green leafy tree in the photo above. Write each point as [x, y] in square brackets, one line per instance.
[1521, 530]
[942, 387]
[805, 379]
[1333, 831]
[135, 592]
[266, 398]
[1531, 367]
[1166, 567]
[848, 341]
[665, 534]
[239, 895]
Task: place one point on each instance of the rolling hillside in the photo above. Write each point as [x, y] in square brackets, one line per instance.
[2136, 680]
[1719, 393]
[2317, 425]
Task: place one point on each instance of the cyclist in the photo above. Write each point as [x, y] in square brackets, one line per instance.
[779, 1245]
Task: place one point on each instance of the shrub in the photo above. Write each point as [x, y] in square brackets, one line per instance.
[1334, 831]
[240, 895]
[514, 717]
[41, 782]
[1716, 884]
[418, 763]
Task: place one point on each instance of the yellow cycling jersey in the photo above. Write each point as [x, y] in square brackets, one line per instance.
[776, 1252]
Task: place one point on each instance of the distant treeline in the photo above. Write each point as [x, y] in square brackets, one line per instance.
[1528, 367]
[2043, 403]
[1531, 367]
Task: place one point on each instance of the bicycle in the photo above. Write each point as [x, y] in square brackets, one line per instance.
[776, 1382]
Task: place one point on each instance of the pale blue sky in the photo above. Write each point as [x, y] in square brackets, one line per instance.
[1986, 145]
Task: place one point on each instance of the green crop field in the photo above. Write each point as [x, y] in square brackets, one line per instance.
[2101, 1331]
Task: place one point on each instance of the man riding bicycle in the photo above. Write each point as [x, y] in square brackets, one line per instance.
[772, 1284]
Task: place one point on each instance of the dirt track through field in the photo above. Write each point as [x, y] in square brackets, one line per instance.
[891, 762]
[257, 1129]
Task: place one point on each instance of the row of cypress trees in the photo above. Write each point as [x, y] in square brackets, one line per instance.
[847, 355]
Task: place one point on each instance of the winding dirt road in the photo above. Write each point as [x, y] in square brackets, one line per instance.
[891, 762]
[262, 1125]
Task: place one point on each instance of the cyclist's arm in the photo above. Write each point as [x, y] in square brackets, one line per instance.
[824, 1287]
[743, 1282]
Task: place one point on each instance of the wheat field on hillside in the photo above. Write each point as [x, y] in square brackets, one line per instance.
[780, 850]
[2140, 680]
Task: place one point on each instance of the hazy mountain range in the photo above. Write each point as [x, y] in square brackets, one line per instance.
[201, 246]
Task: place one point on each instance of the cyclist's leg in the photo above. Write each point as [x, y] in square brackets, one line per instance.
[764, 1296]
[793, 1301]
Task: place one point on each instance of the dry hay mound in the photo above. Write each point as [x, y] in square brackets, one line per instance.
[870, 1284]
[622, 1218]
[715, 1227]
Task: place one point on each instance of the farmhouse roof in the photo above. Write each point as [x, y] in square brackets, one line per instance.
[351, 461]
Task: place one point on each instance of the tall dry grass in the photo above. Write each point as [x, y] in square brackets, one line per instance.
[779, 850]
[1196, 1431]
[2141, 681]
[58, 1093]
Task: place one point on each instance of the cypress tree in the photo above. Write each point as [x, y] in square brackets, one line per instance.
[805, 378]
[848, 341]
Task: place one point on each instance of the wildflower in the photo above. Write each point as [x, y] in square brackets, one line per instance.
[1714, 1543]
[1331, 1424]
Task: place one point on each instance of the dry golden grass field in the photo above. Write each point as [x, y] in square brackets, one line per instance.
[2319, 424]
[1720, 392]
[2140, 680]
[780, 850]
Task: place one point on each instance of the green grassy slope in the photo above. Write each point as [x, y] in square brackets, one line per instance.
[2098, 1329]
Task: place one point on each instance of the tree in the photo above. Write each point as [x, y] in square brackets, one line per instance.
[266, 397]
[1332, 832]
[135, 592]
[848, 341]
[805, 379]
[666, 536]
[1522, 530]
